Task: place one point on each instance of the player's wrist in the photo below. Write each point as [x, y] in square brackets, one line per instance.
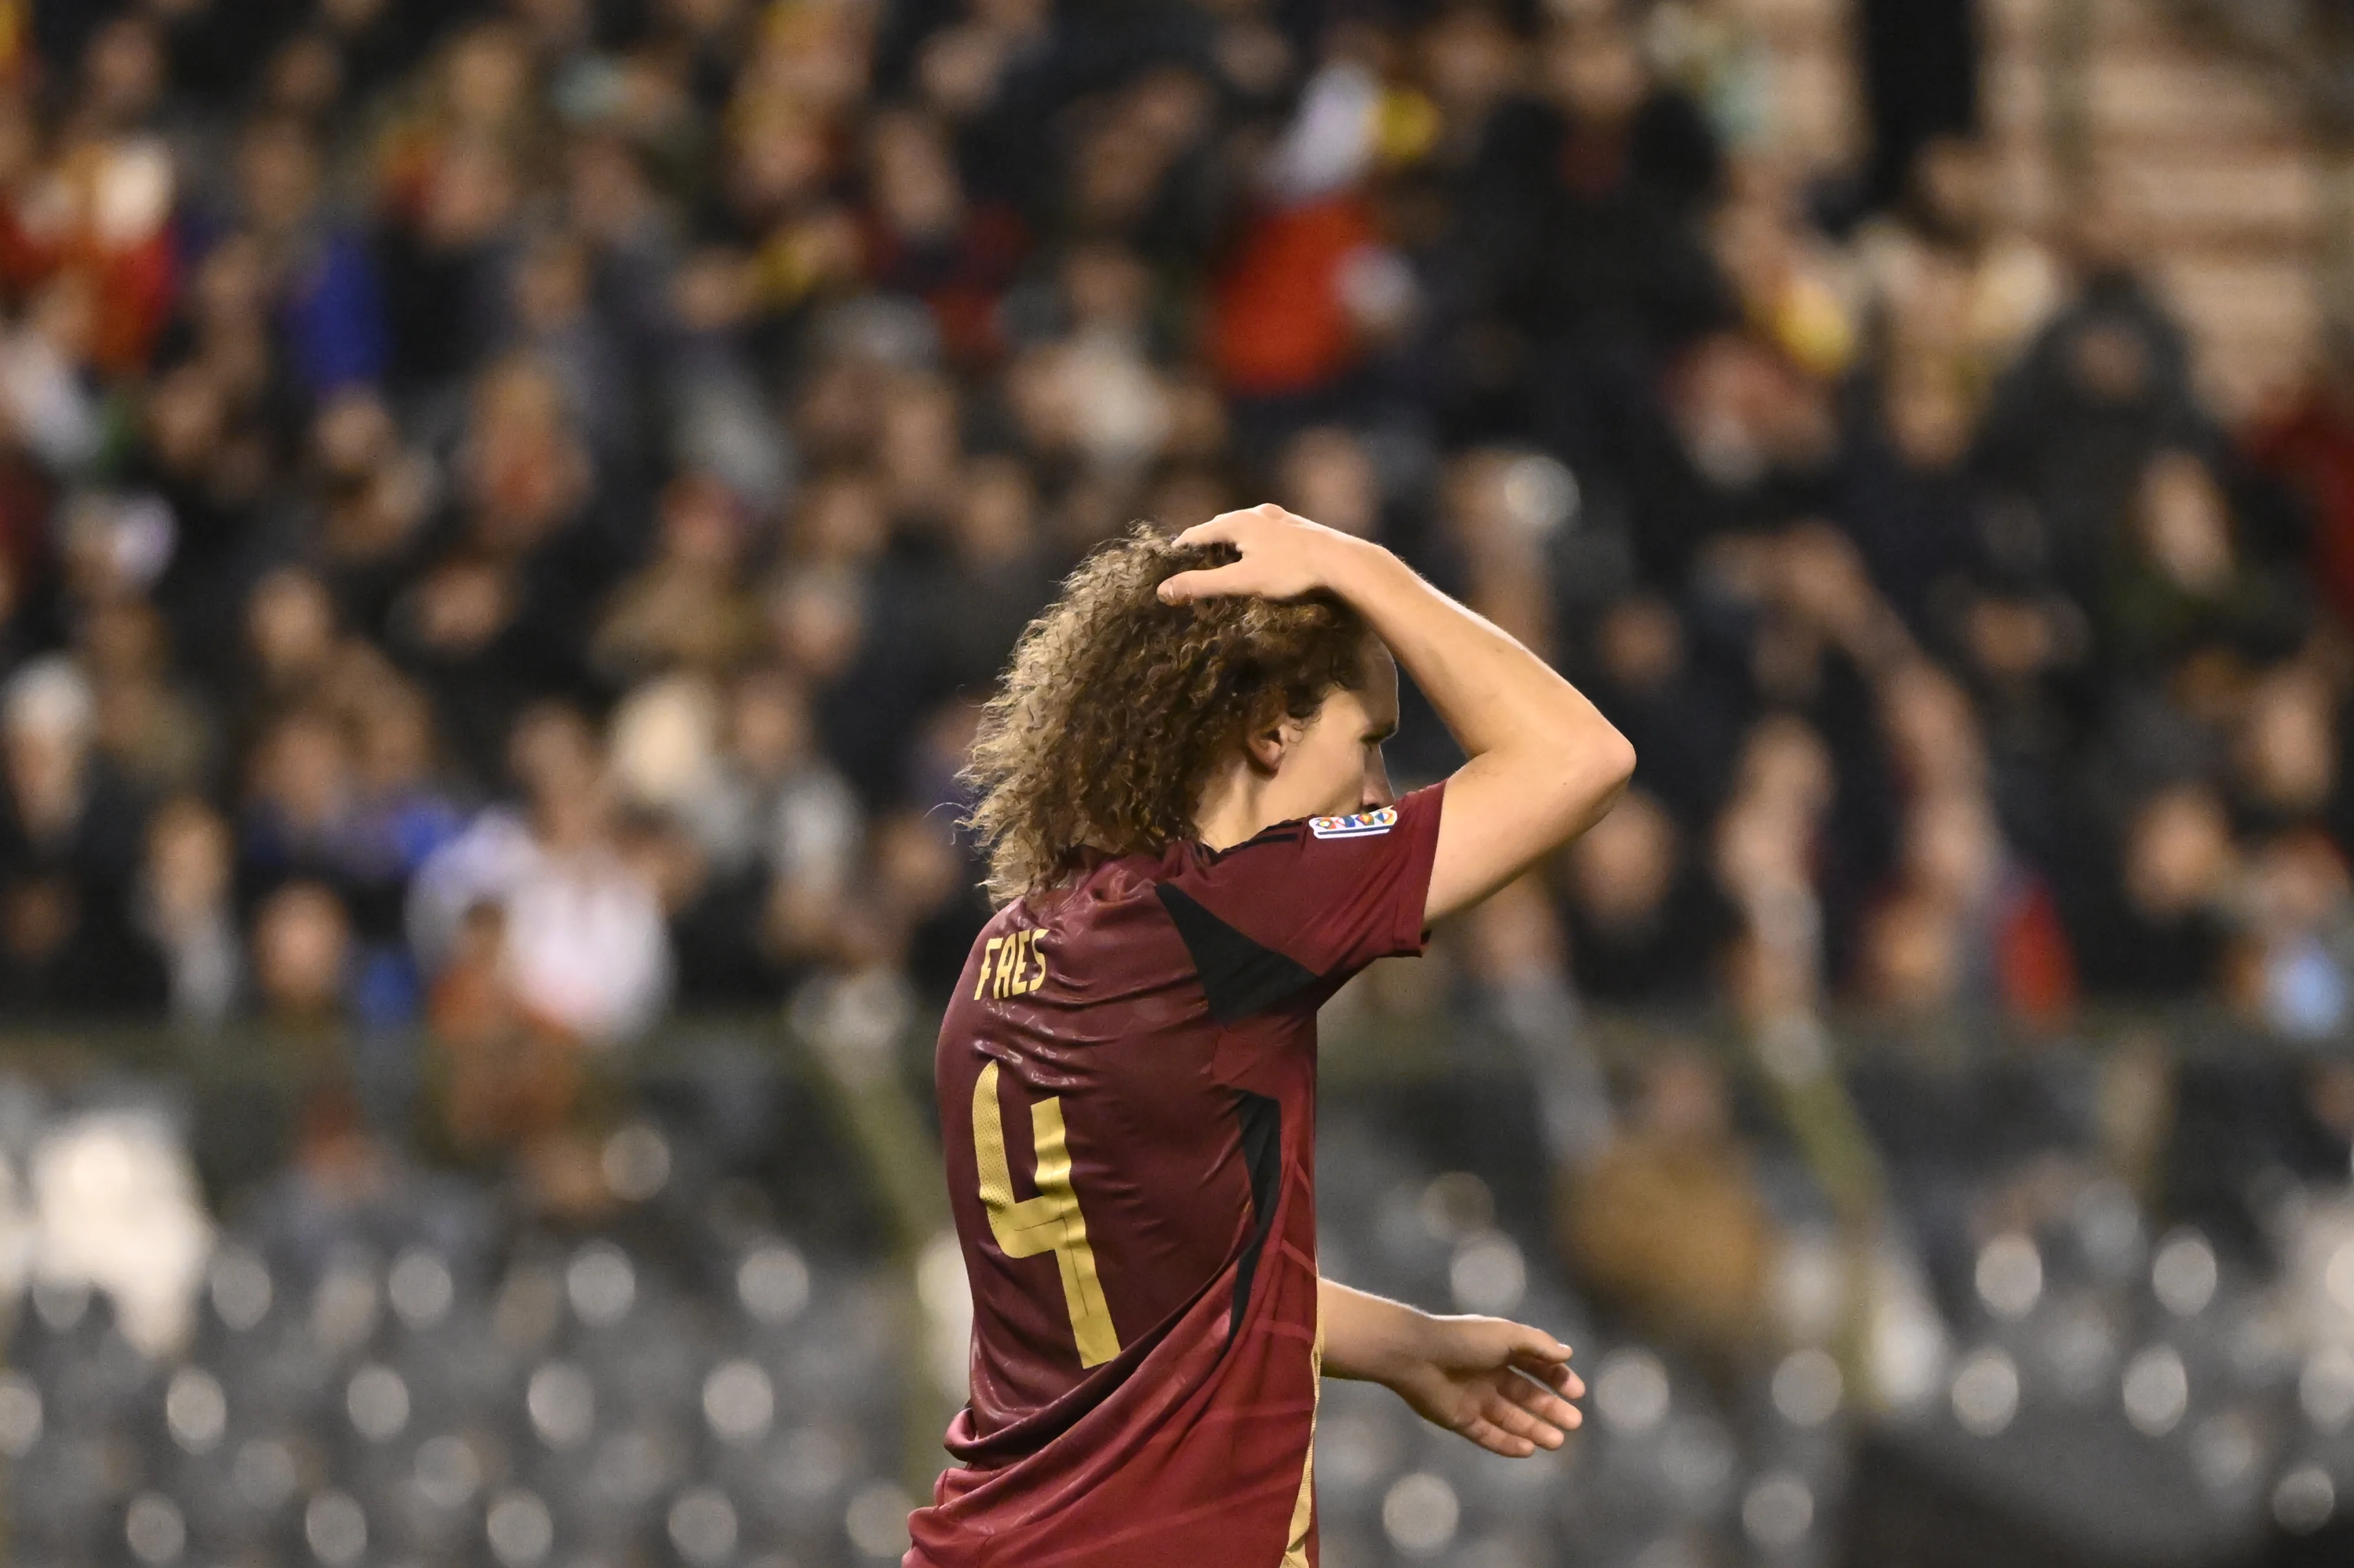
[1355, 569]
[1414, 1342]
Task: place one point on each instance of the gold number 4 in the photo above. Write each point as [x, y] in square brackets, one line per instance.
[1051, 1222]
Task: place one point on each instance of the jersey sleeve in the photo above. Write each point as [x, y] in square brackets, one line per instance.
[1307, 900]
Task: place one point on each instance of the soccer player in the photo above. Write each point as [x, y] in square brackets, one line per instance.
[1183, 796]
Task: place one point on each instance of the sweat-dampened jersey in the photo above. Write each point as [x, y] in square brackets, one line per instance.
[1127, 1082]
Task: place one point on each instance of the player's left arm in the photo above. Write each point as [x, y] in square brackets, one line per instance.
[1504, 1385]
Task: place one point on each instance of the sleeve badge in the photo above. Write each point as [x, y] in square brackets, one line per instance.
[1356, 825]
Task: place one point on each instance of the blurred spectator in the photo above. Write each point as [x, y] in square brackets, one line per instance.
[1768, 857]
[95, 208]
[2163, 933]
[506, 1077]
[1910, 499]
[189, 912]
[328, 304]
[2185, 583]
[1580, 207]
[1950, 274]
[1495, 508]
[2299, 964]
[364, 506]
[1326, 473]
[1967, 921]
[556, 326]
[148, 726]
[42, 363]
[1684, 722]
[1646, 923]
[2073, 423]
[70, 847]
[1668, 1221]
[1964, 925]
[771, 798]
[401, 811]
[921, 236]
[688, 605]
[999, 573]
[290, 628]
[1791, 286]
[449, 188]
[1748, 441]
[302, 960]
[303, 803]
[742, 842]
[584, 928]
[2286, 751]
[1522, 988]
[1287, 326]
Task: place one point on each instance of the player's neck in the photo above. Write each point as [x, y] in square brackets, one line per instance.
[1237, 804]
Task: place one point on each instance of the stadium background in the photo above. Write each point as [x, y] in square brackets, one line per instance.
[505, 509]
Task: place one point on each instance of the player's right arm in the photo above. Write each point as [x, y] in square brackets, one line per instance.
[1542, 763]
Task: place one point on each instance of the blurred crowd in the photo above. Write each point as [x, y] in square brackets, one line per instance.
[507, 509]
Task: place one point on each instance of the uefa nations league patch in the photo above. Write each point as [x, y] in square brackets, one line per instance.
[1356, 825]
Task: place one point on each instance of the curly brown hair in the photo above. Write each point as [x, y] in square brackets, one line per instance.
[1116, 706]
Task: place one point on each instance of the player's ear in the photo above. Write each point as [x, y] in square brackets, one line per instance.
[1268, 743]
[1271, 735]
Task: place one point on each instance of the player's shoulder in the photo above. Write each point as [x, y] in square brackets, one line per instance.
[1263, 850]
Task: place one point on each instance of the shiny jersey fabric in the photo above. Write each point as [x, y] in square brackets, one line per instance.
[1127, 1082]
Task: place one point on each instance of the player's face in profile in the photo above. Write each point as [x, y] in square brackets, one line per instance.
[1334, 763]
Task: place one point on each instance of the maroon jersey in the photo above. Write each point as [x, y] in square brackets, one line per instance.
[1128, 1086]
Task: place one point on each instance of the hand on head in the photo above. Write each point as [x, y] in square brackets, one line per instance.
[1283, 555]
